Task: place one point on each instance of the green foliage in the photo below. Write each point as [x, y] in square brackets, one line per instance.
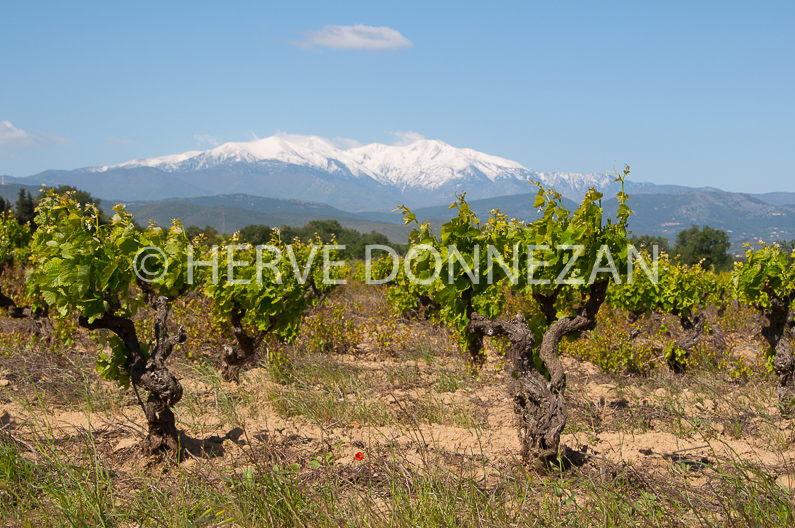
[788, 247]
[112, 366]
[82, 265]
[81, 197]
[14, 240]
[707, 247]
[610, 347]
[723, 291]
[768, 275]
[404, 293]
[25, 209]
[769, 270]
[209, 234]
[330, 330]
[467, 267]
[675, 356]
[383, 269]
[273, 296]
[680, 289]
[256, 234]
[647, 242]
[453, 289]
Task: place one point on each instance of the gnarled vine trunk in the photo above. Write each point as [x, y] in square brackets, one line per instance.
[152, 374]
[234, 357]
[779, 323]
[540, 404]
[694, 329]
[39, 321]
[547, 303]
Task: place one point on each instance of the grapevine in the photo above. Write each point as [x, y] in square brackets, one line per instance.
[671, 288]
[569, 250]
[15, 250]
[767, 282]
[265, 292]
[92, 268]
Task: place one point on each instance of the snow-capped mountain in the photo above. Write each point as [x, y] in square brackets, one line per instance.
[424, 164]
[369, 177]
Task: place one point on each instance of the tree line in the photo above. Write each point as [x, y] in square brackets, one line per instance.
[328, 231]
[705, 246]
[24, 209]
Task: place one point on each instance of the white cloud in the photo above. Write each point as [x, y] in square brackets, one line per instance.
[358, 37]
[345, 143]
[204, 139]
[341, 143]
[14, 138]
[117, 140]
[406, 138]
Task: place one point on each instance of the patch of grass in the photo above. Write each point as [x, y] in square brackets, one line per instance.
[59, 378]
[404, 376]
[43, 486]
[431, 409]
[738, 318]
[407, 475]
[57, 483]
[323, 371]
[447, 381]
[327, 408]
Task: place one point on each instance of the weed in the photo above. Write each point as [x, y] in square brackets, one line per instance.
[611, 346]
[330, 330]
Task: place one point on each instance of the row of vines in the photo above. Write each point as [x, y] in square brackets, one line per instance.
[119, 283]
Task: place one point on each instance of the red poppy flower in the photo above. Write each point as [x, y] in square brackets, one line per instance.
[359, 456]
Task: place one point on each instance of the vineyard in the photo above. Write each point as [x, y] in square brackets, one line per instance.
[501, 374]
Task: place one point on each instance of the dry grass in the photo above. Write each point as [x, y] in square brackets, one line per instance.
[439, 446]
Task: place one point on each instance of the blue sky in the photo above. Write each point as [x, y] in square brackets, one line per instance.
[689, 93]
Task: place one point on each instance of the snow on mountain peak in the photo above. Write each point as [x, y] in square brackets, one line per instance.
[421, 164]
[430, 163]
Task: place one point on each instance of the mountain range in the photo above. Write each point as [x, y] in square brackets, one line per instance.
[371, 177]
[288, 179]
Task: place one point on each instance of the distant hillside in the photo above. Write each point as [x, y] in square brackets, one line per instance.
[228, 219]
[777, 198]
[518, 206]
[121, 185]
[661, 210]
[745, 217]
[254, 203]
[10, 191]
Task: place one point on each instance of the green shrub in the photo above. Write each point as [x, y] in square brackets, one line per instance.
[610, 346]
[330, 330]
